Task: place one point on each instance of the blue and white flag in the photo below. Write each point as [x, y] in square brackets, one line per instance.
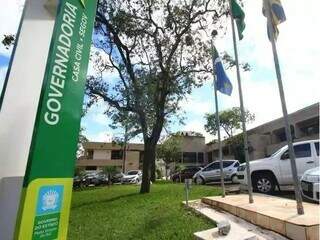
[223, 84]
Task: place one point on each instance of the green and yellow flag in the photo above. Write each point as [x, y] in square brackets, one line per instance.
[277, 16]
[238, 15]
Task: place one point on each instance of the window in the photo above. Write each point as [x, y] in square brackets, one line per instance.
[116, 154]
[212, 166]
[237, 164]
[209, 154]
[225, 151]
[189, 157]
[90, 154]
[302, 150]
[310, 130]
[200, 157]
[132, 172]
[316, 144]
[91, 168]
[227, 163]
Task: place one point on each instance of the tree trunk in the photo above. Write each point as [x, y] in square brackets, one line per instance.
[153, 170]
[166, 170]
[148, 157]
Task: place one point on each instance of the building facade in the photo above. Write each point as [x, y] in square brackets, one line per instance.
[97, 155]
[267, 138]
[263, 141]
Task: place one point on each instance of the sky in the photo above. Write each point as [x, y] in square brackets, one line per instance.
[299, 54]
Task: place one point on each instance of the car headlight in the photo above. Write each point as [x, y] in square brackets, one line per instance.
[241, 168]
[311, 178]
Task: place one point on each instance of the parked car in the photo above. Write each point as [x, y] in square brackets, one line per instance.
[186, 173]
[211, 172]
[310, 184]
[117, 178]
[77, 182]
[94, 179]
[275, 171]
[133, 177]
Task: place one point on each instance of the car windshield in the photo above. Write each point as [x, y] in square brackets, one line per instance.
[276, 152]
[132, 173]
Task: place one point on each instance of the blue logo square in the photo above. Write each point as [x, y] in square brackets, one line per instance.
[49, 199]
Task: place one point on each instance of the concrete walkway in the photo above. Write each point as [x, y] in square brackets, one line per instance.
[240, 229]
[273, 213]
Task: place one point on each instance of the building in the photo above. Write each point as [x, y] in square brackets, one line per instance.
[98, 155]
[263, 141]
[193, 148]
[267, 138]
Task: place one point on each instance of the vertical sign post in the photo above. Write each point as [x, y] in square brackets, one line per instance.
[187, 187]
[47, 185]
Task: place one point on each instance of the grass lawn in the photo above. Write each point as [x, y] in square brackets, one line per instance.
[120, 212]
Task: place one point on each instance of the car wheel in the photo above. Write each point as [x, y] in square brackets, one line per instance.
[264, 183]
[199, 180]
[234, 179]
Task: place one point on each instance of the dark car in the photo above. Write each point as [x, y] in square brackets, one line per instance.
[77, 182]
[117, 178]
[94, 179]
[185, 174]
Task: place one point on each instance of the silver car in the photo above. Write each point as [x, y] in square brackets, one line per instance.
[211, 172]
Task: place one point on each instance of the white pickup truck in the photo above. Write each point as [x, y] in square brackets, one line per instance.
[275, 171]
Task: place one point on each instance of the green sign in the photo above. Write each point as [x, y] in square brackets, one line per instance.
[47, 187]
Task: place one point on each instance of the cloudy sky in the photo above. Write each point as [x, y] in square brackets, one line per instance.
[299, 53]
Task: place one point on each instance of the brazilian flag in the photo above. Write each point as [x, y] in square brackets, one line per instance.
[238, 16]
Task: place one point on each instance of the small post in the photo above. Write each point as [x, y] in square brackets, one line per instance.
[296, 184]
[243, 119]
[187, 187]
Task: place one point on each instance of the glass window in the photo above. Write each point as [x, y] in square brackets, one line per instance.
[91, 168]
[189, 157]
[302, 150]
[212, 166]
[225, 151]
[209, 154]
[90, 154]
[237, 164]
[116, 154]
[200, 157]
[317, 147]
[227, 163]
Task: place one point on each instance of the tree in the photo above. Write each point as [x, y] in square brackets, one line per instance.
[159, 50]
[8, 40]
[110, 171]
[170, 151]
[230, 121]
[129, 131]
[81, 140]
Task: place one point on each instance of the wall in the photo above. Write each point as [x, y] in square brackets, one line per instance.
[102, 154]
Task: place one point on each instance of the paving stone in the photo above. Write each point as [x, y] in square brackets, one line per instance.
[274, 213]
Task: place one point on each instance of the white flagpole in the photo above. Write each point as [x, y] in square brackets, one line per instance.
[296, 184]
[218, 124]
[245, 137]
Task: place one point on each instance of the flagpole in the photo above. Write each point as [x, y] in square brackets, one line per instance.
[245, 136]
[296, 184]
[218, 125]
